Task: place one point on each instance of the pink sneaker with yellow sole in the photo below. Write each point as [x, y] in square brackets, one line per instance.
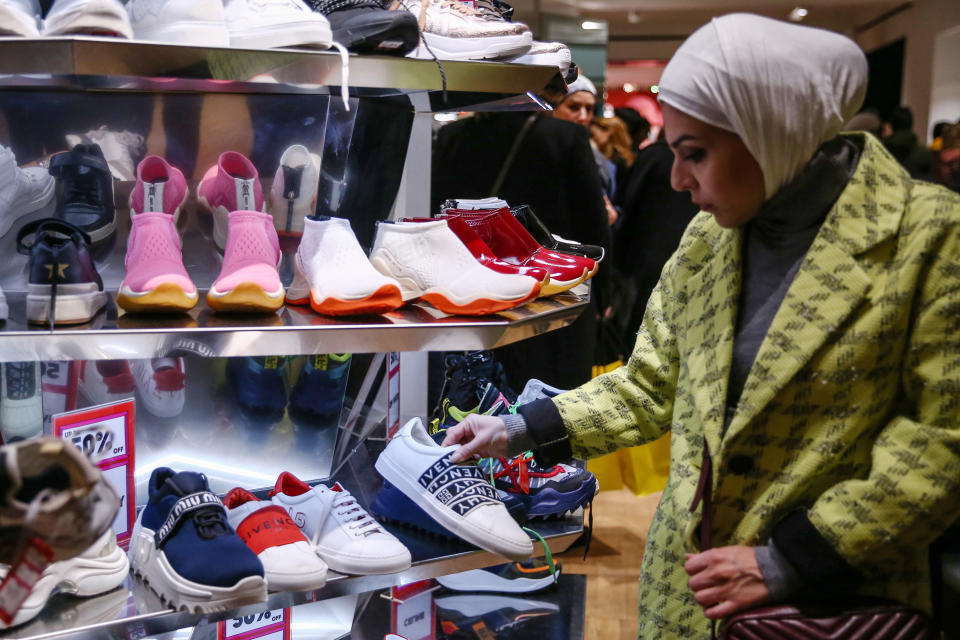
[248, 280]
[232, 185]
[155, 279]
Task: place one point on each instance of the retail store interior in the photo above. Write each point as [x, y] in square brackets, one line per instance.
[452, 319]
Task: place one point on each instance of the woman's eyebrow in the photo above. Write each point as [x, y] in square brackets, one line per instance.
[683, 138]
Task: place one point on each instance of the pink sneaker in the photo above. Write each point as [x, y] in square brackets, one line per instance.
[155, 279]
[160, 187]
[232, 185]
[248, 280]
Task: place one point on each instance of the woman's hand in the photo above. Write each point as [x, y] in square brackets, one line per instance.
[726, 580]
[485, 436]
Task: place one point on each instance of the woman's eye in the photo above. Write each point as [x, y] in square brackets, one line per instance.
[694, 156]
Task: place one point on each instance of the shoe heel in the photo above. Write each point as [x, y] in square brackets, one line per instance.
[299, 290]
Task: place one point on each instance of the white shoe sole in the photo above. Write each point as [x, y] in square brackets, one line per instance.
[480, 580]
[362, 566]
[558, 59]
[76, 303]
[150, 564]
[486, 48]
[191, 33]
[290, 34]
[295, 581]
[406, 482]
[78, 576]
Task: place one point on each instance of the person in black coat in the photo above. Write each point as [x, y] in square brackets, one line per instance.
[554, 172]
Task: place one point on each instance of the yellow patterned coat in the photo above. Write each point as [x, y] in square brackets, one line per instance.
[851, 409]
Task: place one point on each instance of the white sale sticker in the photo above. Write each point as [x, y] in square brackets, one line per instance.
[101, 440]
[271, 623]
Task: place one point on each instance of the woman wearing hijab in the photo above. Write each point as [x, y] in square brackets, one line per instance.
[801, 345]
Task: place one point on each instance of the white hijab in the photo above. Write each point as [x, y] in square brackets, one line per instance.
[782, 88]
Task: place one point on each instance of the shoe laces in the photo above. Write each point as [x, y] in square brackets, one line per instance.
[210, 522]
[83, 187]
[349, 510]
[21, 382]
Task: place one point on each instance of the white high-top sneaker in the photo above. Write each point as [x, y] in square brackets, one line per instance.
[22, 191]
[454, 30]
[430, 262]
[89, 17]
[457, 496]
[20, 18]
[21, 405]
[334, 275]
[347, 538]
[271, 24]
[293, 193]
[186, 22]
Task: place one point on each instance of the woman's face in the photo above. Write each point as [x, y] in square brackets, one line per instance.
[715, 167]
[577, 107]
[601, 134]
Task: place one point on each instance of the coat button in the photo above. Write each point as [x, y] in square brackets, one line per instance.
[740, 465]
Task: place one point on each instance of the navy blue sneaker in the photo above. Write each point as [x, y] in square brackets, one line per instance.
[184, 548]
[491, 616]
[259, 385]
[63, 286]
[319, 391]
[86, 190]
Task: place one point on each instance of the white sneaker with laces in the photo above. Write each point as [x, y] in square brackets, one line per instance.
[347, 538]
[87, 17]
[454, 30]
[22, 191]
[430, 262]
[271, 24]
[457, 496]
[20, 18]
[160, 385]
[549, 54]
[21, 405]
[198, 23]
[105, 381]
[334, 275]
[293, 193]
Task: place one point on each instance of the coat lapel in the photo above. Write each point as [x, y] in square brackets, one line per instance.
[712, 296]
[831, 283]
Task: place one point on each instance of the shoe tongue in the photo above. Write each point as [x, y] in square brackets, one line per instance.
[237, 497]
[187, 482]
[336, 487]
[246, 196]
[289, 484]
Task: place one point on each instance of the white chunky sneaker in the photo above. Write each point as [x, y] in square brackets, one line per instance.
[22, 191]
[160, 385]
[430, 262]
[457, 496]
[21, 405]
[334, 276]
[88, 17]
[344, 534]
[19, 18]
[454, 30]
[290, 562]
[101, 568]
[271, 24]
[293, 193]
[198, 23]
[549, 54]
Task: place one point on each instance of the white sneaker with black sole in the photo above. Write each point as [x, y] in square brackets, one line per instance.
[457, 496]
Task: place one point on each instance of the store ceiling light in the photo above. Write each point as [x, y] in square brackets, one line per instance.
[629, 87]
[654, 88]
[798, 14]
[590, 25]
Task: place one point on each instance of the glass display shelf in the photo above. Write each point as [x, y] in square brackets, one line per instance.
[134, 611]
[101, 63]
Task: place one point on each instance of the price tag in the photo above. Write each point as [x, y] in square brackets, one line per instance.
[273, 624]
[393, 393]
[105, 435]
[412, 614]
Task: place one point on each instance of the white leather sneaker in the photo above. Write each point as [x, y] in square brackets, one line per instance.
[20, 18]
[186, 22]
[290, 562]
[457, 496]
[550, 54]
[334, 275]
[87, 17]
[22, 191]
[430, 262]
[104, 381]
[160, 385]
[344, 534]
[271, 24]
[293, 193]
[454, 30]
[21, 405]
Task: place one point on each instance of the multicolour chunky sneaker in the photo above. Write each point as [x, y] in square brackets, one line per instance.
[259, 385]
[319, 390]
[457, 496]
[290, 561]
[545, 492]
[513, 577]
[185, 549]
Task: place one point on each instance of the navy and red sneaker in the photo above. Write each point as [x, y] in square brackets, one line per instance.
[185, 549]
[545, 492]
